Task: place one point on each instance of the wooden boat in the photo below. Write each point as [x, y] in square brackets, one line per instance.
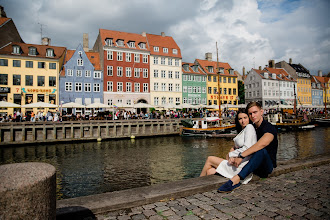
[207, 127]
[322, 122]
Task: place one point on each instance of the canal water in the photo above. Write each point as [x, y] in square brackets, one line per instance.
[90, 168]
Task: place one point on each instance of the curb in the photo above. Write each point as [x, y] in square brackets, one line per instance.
[112, 201]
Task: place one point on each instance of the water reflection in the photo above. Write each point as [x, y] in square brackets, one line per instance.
[91, 168]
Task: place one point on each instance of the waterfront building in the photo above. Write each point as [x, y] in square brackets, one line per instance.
[29, 74]
[81, 79]
[303, 77]
[125, 61]
[165, 70]
[228, 81]
[317, 91]
[269, 86]
[8, 30]
[324, 83]
[193, 84]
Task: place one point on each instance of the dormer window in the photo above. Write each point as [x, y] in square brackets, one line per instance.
[32, 51]
[109, 41]
[156, 49]
[186, 67]
[120, 43]
[195, 68]
[50, 52]
[16, 49]
[210, 69]
[131, 44]
[231, 71]
[142, 45]
[165, 50]
[175, 51]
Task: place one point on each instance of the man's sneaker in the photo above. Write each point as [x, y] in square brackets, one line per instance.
[228, 187]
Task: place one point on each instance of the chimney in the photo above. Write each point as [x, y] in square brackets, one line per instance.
[2, 12]
[208, 56]
[290, 61]
[271, 64]
[45, 41]
[259, 67]
[243, 71]
[163, 34]
[85, 42]
[144, 34]
[320, 73]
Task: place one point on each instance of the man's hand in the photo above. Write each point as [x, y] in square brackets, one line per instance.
[237, 161]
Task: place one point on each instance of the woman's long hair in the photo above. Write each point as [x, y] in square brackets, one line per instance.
[238, 126]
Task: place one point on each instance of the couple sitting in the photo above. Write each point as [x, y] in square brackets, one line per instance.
[254, 151]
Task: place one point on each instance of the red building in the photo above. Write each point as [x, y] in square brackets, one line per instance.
[125, 59]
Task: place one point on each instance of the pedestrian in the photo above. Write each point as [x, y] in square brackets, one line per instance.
[263, 153]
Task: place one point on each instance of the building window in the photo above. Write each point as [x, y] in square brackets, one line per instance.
[170, 74]
[3, 62]
[29, 80]
[175, 51]
[69, 72]
[145, 73]
[185, 89]
[155, 60]
[41, 65]
[136, 87]
[109, 55]
[29, 64]
[177, 74]
[110, 70]
[128, 87]
[128, 102]
[16, 49]
[156, 49]
[120, 56]
[156, 73]
[52, 66]
[224, 79]
[96, 87]
[214, 79]
[68, 86]
[162, 61]
[16, 63]
[109, 41]
[4, 79]
[155, 86]
[156, 100]
[97, 74]
[128, 72]
[136, 72]
[169, 62]
[163, 87]
[234, 92]
[163, 100]
[50, 52]
[52, 81]
[32, 51]
[88, 73]
[177, 87]
[78, 86]
[170, 87]
[119, 86]
[41, 81]
[163, 74]
[79, 73]
[137, 58]
[177, 62]
[209, 90]
[80, 62]
[145, 87]
[16, 80]
[128, 57]
[119, 71]
[189, 89]
[145, 58]
[131, 44]
[165, 50]
[87, 87]
[142, 45]
[170, 100]
[109, 86]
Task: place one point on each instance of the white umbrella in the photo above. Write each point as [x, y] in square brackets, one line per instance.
[213, 106]
[169, 106]
[72, 105]
[121, 105]
[39, 105]
[98, 105]
[187, 105]
[4, 104]
[142, 105]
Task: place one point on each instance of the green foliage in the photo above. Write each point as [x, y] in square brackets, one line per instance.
[241, 92]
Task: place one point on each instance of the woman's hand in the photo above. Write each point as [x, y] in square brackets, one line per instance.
[231, 160]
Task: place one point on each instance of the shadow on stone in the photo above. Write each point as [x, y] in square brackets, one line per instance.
[74, 213]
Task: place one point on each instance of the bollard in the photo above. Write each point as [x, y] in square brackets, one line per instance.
[27, 191]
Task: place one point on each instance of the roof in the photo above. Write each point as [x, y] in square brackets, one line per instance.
[190, 70]
[299, 68]
[41, 50]
[4, 20]
[281, 74]
[322, 80]
[126, 37]
[205, 63]
[163, 42]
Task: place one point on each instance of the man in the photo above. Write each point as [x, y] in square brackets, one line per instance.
[263, 159]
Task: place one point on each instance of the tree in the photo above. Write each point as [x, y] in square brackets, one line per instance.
[241, 92]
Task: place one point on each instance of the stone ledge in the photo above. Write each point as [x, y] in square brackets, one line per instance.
[112, 201]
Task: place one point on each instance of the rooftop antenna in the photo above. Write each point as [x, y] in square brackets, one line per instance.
[41, 30]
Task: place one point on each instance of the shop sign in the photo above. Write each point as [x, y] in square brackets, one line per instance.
[25, 90]
[4, 89]
[222, 97]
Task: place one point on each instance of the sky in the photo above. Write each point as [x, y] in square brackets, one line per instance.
[248, 32]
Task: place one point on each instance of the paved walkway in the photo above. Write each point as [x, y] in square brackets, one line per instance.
[303, 194]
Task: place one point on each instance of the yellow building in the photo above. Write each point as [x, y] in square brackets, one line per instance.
[228, 81]
[29, 73]
[304, 90]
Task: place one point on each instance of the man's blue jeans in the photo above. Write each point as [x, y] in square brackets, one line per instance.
[260, 164]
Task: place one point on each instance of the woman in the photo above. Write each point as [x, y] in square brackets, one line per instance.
[245, 139]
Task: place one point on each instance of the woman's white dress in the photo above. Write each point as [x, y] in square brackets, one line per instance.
[244, 140]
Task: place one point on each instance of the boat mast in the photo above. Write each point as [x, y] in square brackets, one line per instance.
[295, 100]
[325, 101]
[218, 72]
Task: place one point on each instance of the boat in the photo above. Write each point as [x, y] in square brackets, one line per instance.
[322, 122]
[207, 127]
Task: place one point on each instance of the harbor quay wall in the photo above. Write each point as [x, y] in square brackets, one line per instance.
[47, 132]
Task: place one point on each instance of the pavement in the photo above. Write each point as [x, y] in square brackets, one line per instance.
[296, 190]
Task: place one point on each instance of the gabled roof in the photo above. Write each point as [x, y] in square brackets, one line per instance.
[205, 63]
[322, 80]
[190, 70]
[41, 50]
[126, 37]
[299, 68]
[163, 42]
[259, 72]
[281, 74]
